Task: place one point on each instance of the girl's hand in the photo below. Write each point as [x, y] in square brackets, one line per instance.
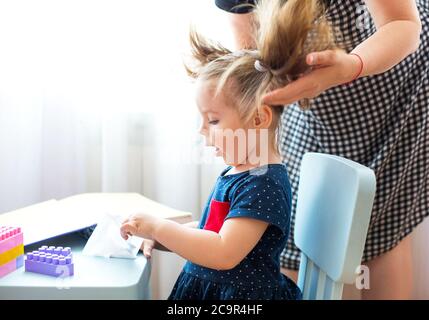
[330, 68]
[141, 224]
[147, 247]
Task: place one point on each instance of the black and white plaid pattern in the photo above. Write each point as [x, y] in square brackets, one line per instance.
[379, 121]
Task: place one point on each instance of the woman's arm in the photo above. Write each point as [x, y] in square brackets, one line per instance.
[398, 35]
[242, 28]
[221, 251]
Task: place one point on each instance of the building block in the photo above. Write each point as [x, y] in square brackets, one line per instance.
[10, 238]
[11, 266]
[20, 262]
[51, 261]
[12, 254]
[11, 249]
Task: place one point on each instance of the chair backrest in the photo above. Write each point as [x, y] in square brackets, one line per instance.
[335, 198]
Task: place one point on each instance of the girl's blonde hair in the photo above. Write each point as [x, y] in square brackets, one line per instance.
[285, 31]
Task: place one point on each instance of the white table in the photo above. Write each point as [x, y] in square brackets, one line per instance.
[94, 277]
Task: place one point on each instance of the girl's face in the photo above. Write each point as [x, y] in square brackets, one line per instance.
[221, 125]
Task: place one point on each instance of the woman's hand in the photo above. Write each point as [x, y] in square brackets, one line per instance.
[329, 68]
[141, 224]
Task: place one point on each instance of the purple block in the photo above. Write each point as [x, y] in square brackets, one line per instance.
[51, 261]
[19, 261]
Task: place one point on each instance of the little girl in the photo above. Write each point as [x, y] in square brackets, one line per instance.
[234, 251]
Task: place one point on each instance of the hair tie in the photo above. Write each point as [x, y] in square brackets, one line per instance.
[238, 54]
[260, 66]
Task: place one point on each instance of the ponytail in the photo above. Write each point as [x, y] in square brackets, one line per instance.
[286, 32]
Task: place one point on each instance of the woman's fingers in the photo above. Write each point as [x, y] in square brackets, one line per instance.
[328, 68]
[325, 58]
[295, 91]
[308, 85]
[283, 95]
[279, 97]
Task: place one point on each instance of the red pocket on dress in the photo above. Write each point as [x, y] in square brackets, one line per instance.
[218, 211]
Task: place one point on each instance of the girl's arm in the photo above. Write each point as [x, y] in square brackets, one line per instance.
[220, 251]
[192, 224]
[156, 245]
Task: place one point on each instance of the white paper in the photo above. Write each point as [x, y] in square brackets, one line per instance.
[106, 240]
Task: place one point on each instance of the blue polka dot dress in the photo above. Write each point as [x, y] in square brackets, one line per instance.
[263, 194]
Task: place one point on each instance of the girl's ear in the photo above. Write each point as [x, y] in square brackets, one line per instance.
[263, 117]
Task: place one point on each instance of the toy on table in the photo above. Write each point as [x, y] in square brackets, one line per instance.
[51, 261]
[11, 250]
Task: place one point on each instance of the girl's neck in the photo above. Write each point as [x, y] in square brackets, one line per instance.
[273, 158]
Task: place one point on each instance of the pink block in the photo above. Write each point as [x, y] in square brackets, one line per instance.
[11, 266]
[10, 238]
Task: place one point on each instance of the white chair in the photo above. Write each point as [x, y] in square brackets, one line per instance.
[335, 198]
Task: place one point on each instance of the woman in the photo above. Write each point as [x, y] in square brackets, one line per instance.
[379, 120]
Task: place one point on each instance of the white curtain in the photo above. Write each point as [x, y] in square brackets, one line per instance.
[94, 98]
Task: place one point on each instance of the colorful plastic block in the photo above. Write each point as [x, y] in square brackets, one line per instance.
[51, 261]
[11, 266]
[11, 249]
[10, 238]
